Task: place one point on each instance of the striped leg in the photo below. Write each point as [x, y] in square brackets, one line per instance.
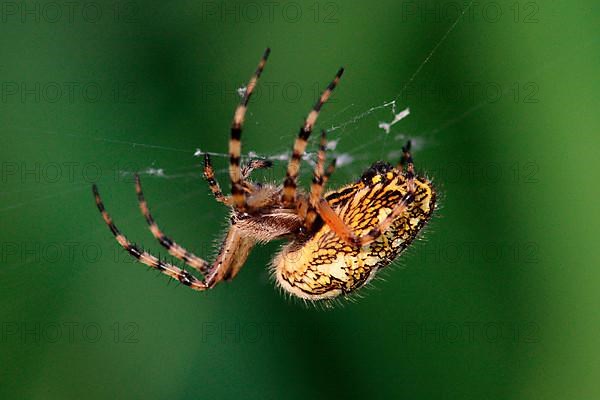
[337, 225]
[215, 188]
[289, 185]
[235, 145]
[318, 183]
[173, 248]
[144, 257]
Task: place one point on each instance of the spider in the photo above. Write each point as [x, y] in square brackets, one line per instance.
[337, 240]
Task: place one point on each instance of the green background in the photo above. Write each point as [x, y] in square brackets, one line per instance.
[500, 299]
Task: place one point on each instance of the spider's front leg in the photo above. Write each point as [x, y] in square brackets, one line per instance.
[215, 188]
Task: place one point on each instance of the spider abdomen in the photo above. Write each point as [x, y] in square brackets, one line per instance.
[325, 266]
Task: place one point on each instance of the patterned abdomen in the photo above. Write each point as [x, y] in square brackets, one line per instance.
[325, 266]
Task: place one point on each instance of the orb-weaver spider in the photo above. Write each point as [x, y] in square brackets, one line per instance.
[338, 240]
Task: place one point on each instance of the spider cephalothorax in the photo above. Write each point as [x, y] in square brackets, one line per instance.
[337, 241]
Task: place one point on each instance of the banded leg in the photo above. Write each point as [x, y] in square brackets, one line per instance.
[336, 224]
[215, 188]
[235, 145]
[318, 183]
[173, 248]
[289, 185]
[144, 257]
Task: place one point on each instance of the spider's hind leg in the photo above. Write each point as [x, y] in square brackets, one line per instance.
[144, 257]
[173, 248]
[232, 255]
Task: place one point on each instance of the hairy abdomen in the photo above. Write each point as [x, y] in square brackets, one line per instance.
[325, 267]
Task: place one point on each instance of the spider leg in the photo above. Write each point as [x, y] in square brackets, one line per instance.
[144, 257]
[235, 146]
[337, 225]
[288, 196]
[234, 252]
[173, 248]
[318, 183]
[215, 188]
[232, 256]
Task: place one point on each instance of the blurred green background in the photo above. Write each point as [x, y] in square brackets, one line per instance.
[500, 299]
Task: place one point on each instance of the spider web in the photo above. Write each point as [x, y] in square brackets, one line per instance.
[385, 126]
[337, 127]
[384, 122]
